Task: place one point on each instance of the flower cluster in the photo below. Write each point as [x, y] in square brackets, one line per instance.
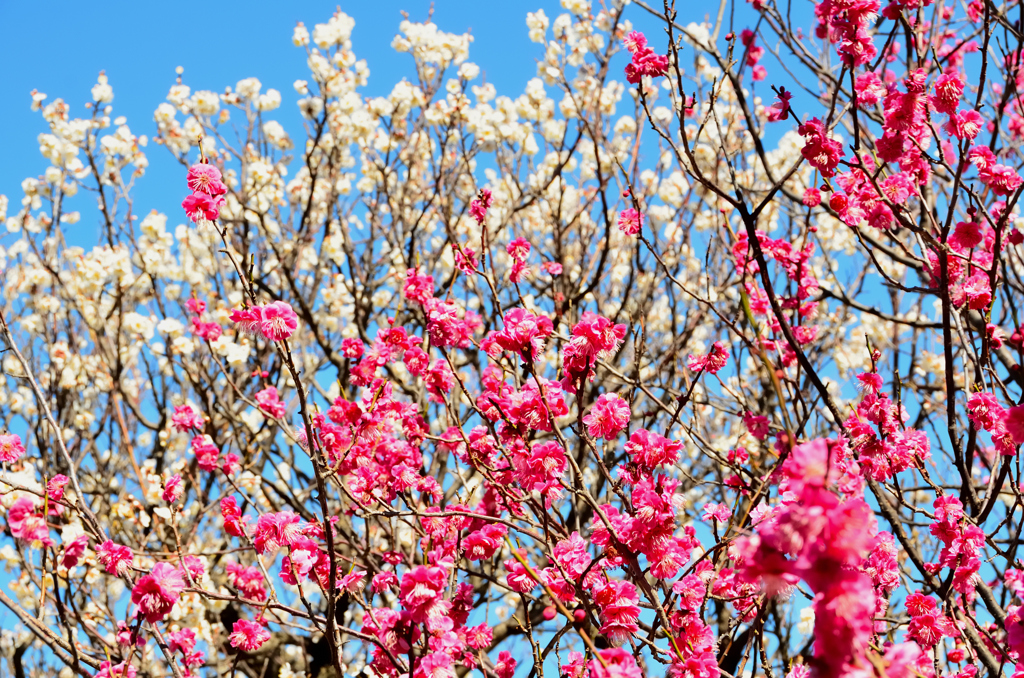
[644, 60]
[624, 375]
[204, 180]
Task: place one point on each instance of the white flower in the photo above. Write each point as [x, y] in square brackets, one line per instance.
[538, 24]
[102, 92]
[138, 324]
[248, 88]
[178, 94]
[269, 101]
[335, 32]
[205, 102]
[806, 625]
[578, 7]
[697, 34]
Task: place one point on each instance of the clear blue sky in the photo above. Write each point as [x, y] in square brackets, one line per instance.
[60, 47]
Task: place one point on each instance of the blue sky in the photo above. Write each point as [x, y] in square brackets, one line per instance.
[59, 48]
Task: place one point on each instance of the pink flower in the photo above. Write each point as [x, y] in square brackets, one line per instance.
[576, 668]
[645, 61]
[1003, 180]
[902, 660]
[977, 290]
[269, 402]
[482, 544]
[230, 465]
[173, 489]
[207, 331]
[608, 416]
[984, 411]
[205, 178]
[539, 466]
[617, 602]
[519, 578]
[870, 89]
[11, 448]
[383, 581]
[417, 360]
[519, 249]
[524, 333]
[116, 559]
[478, 208]
[897, 188]
[593, 337]
[518, 271]
[650, 450]
[247, 319]
[717, 512]
[202, 206]
[571, 555]
[780, 109]
[1014, 423]
[352, 348]
[296, 566]
[274, 530]
[194, 567]
[505, 666]
[559, 585]
[981, 157]
[479, 637]
[122, 670]
[206, 451]
[630, 221]
[248, 580]
[419, 288]
[465, 259]
[820, 539]
[964, 125]
[26, 521]
[966, 235]
[928, 625]
[234, 524]
[949, 87]
[692, 591]
[278, 321]
[55, 487]
[74, 551]
[822, 152]
[445, 326]
[634, 42]
[712, 362]
[422, 595]
[617, 663]
[183, 641]
[1015, 629]
[439, 380]
[757, 425]
[195, 306]
[185, 418]
[248, 636]
[156, 593]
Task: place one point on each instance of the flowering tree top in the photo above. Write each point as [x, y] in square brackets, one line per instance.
[699, 357]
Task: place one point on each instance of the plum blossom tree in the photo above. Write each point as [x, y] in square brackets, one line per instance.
[700, 357]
